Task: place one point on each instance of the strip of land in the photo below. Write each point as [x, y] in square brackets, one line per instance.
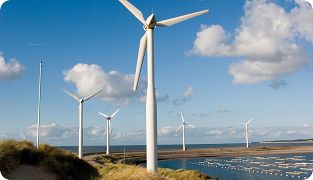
[140, 157]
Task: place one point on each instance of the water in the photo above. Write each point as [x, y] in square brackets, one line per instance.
[270, 167]
[131, 148]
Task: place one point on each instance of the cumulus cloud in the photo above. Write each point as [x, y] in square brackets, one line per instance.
[52, 132]
[186, 96]
[116, 86]
[267, 41]
[56, 134]
[222, 110]
[278, 84]
[10, 70]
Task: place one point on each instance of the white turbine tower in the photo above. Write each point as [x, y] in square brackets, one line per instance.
[146, 42]
[39, 103]
[81, 103]
[183, 124]
[109, 128]
[1, 177]
[247, 131]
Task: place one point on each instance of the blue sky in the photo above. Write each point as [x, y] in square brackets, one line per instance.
[243, 59]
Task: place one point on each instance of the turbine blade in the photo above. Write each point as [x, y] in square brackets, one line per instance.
[182, 117]
[249, 121]
[114, 113]
[169, 22]
[70, 94]
[110, 128]
[141, 55]
[133, 10]
[179, 127]
[87, 98]
[106, 116]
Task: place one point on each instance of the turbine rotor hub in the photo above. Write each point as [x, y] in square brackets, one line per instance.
[150, 22]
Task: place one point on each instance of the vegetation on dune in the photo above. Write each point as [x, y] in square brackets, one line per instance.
[112, 171]
[66, 165]
[132, 172]
[121, 171]
[182, 174]
[60, 162]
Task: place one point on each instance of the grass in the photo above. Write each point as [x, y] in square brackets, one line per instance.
[121, 171]
[182, 174]
[60, 162]
[132, 172]
[117, 171]
[68, 166]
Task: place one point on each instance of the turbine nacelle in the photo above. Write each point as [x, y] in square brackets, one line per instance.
[151, 22]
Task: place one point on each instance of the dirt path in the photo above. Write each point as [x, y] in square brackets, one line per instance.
[139, 157]
[91, 159]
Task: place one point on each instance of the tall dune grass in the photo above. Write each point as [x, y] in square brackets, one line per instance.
[118, 171]
[68, 166]
[60, 162]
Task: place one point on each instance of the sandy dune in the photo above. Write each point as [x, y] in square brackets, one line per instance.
[27, 172]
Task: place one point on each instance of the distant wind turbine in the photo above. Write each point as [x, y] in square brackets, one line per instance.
[39, 103]
[146, 42]
[247, 131]
[81, 103]
[183, 124]
[109, 128]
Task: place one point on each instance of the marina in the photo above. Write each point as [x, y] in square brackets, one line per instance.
[250, 167]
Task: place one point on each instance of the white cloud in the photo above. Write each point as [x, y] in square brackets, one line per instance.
[211, 41]
[278, 84]
[56, 134]
[53, 131]
[186, 96]
[115, 86]
[267, 40]
[222, 110]
[11, 69]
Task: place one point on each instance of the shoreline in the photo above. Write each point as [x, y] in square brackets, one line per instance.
[139, 157]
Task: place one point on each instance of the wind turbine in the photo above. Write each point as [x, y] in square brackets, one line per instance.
[247, 132]
[39, 103]
[81, 103]
[146, 42]
[183, 124]
[109, 128]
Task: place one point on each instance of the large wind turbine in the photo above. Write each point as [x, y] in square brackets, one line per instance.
[81, 103]
[146, 42]
[183, 124]
[247, 132]
[109, 128]
[39, 103]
